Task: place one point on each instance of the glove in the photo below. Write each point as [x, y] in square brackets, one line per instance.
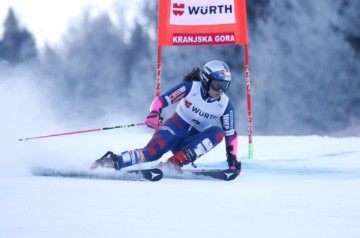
[153, 120]
[233, 163]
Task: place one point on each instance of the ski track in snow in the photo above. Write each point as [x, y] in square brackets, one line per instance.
[295, 187]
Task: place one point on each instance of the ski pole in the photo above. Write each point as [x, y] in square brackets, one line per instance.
[84, 131]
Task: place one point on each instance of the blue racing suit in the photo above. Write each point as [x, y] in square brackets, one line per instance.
[190, 126]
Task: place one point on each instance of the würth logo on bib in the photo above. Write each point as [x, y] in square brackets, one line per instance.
[187, 103]
[178, 9]
[202, 12]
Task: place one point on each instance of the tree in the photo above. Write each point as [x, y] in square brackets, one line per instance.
[17, 45]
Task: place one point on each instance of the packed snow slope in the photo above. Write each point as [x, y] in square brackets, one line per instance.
[295, 187]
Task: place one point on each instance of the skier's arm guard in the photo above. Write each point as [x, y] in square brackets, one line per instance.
[232, 144]
[231, 151]
[154, 119]
[156, 105]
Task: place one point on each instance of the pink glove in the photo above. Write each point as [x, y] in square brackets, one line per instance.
[153, 120]
[233, 163]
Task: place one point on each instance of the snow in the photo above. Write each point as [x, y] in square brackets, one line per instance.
[295, 187]
[304, 186]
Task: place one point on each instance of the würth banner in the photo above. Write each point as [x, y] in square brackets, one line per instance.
[202, 22]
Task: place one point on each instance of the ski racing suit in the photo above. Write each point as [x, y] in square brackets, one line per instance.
[189, 127]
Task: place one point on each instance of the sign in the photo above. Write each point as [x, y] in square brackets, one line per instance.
[202, 12]
[202, 22]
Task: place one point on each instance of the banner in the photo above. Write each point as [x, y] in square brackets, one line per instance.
[202, 22]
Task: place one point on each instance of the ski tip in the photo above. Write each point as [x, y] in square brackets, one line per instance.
[230, 174]
[154, 175]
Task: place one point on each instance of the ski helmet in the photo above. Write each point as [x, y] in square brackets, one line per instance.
[216, 75]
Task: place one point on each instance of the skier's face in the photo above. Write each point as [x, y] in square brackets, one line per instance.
[217, 88]
[215, 94]
[216, 85]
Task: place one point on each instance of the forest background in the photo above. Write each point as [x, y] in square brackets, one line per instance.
[304, 57]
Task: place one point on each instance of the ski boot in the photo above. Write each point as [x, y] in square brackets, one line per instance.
[178, 160]
[109, 160]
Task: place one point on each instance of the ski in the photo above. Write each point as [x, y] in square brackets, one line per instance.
[221, 174]
[149, 174]
[153, 174]
[202, 174]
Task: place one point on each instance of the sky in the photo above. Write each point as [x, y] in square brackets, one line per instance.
[49, 20]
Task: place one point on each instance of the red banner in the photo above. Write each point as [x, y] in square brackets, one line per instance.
[202, 22]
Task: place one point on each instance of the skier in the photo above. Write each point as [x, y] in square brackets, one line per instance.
[189, 132]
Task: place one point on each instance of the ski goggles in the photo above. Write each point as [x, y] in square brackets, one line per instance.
[217, 85]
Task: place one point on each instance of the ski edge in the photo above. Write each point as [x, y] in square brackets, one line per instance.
[152, 175]
[205, 174]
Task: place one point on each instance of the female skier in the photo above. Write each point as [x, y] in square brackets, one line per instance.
[189, 133]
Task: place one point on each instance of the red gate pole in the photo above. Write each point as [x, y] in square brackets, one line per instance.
[158, 71]
[248, 97]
